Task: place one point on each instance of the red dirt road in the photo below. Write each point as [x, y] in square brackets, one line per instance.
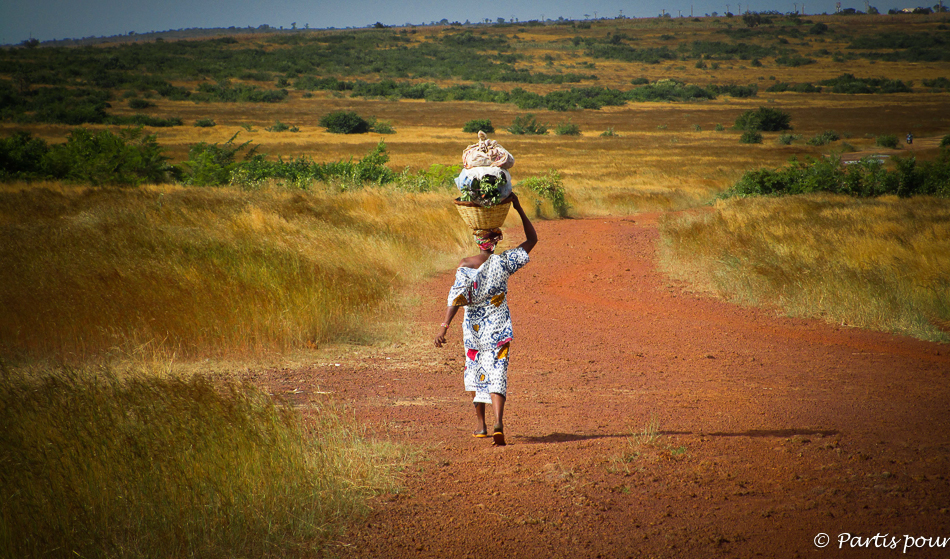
[768, 430]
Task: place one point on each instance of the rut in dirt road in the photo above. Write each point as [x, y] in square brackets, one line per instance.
[644, 420]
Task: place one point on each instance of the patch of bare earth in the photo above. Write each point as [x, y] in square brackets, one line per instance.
[768, 430]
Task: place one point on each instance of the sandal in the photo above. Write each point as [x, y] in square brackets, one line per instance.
[498, 437]
[480, 434]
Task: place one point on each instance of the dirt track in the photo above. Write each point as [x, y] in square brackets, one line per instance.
[771, 430]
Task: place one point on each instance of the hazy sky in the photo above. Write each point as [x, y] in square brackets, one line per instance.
[73, 19]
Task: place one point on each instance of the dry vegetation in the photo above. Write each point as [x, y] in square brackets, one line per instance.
[146, 466]
[222, 272]
[873, 263]
[170, 270]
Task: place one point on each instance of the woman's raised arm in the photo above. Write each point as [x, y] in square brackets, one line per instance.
[530, 233]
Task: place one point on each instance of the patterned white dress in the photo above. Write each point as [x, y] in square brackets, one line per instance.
[486, 328]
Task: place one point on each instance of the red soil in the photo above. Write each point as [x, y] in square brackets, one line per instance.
[770, 430]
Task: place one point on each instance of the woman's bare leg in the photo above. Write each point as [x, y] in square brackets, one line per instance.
[498, 406]
[481, 427]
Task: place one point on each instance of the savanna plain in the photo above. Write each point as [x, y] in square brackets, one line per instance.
[217, 314]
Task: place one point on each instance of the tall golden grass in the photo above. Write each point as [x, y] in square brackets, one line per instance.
[193, 271]
[873, 263]
[96, 466]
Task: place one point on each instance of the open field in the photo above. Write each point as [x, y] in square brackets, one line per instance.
[647, 419]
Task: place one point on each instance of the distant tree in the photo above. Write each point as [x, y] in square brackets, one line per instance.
[31, 43]
[764, 119]
[379, 25]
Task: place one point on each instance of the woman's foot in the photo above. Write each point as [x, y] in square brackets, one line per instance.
[480, 434]
[498, 436]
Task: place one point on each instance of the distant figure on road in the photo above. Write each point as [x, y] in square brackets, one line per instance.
[910, 138]
[481, 287]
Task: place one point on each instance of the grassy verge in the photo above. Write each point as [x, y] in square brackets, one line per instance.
[880, 263]
[96, 466]
[220, 271]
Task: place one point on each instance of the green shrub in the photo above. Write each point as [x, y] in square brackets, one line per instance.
[145, 120]
[137, 103]
[345, 122]
[787, 139]
[212, 164]
[751, 137]
[527, 124]
[887, 141]
[478, 124]
[23, 157]
[204, 123]
[301, 172]
[764, 119]
[436, 177]
[945, 141]
[567, 129]
[720, 127]
[697, 128]
[130, 157]
[550, 187]
[867, 177]
[609, 133]
[381, 127]
[824, 138]
[279, 126]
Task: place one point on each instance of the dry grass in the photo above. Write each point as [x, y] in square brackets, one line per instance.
[95, 466]
[881, 263]
[208, 271]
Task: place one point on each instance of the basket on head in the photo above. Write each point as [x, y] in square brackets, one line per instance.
[483, 217]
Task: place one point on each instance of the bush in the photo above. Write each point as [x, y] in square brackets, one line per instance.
[868, 177]
[101, 157]
[945, 141]
[204, 123]
[764, 119]
[609, 133]
[478, 124]
[382, 127]
[887, 141]
[23, 157]
[137, 103]
[824, 138]
[527, 124]
[145, 120]
[787, 139]
[751, 137]
[345, 122]
[212, 164]
[567, 129]
[279, 126]
[551, 188]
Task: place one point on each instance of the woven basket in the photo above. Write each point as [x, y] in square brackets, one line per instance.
[479, 217]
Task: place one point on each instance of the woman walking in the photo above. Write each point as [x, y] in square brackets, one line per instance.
[481, 286]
